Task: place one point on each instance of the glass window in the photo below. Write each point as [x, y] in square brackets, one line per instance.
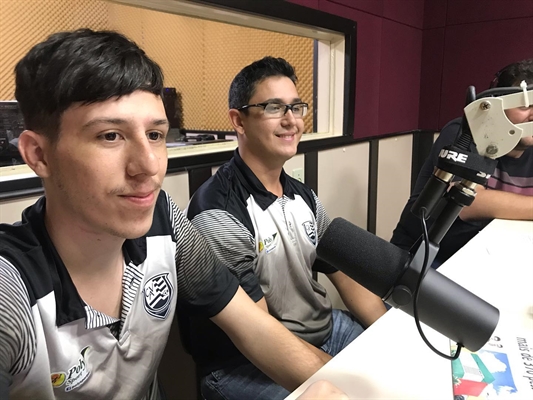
[200, 47]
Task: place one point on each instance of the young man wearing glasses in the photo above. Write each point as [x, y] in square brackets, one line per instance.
[266, 225]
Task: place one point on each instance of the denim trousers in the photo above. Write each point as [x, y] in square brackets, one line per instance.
[246, 382]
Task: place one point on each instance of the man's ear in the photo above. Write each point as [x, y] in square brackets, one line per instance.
[236, 121]
[32, 147]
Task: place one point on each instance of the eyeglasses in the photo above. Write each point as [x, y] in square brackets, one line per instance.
[278, 110]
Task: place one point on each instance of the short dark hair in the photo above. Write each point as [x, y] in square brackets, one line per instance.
[513, 74]
[82, 66]
[243, 86]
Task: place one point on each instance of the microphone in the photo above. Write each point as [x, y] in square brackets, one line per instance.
[392, 274]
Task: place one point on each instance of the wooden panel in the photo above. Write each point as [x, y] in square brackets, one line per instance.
[11, 210]
[394, 182]
[177, 186]
[343, 182]
[343, 190]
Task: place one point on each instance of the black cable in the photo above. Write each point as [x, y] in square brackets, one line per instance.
[417, 290]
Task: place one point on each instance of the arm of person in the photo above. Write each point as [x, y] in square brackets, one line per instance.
[207, 288]
[17, 329]
[362, 303]
[233, 244]
[325, 357]
[490, 204]
[266, 342]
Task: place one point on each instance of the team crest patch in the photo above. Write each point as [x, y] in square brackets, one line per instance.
[157, 294]
[76, 375]
[310, 231]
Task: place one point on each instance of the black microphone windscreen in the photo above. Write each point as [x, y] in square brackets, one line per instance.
[366, 258]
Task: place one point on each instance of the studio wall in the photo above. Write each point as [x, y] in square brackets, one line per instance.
[389, 49]
[465, 43]
[416, 58]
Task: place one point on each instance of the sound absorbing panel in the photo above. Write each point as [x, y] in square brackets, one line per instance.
[199, 57]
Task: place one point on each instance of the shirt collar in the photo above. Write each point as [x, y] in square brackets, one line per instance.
[262, 196]
[69, 304]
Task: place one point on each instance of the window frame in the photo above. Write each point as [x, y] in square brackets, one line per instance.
[334, 60]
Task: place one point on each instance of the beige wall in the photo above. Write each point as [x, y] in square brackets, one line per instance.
[343, 182]
[343, 190]
[295, 163]
[11, 210]
[177, 186]
[394, 182]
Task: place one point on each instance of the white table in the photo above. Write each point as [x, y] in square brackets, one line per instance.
[390, 360]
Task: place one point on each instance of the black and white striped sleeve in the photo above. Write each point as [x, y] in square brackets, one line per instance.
[322, 222]
[17, 328]
[205, 285]
[233, 244]
[322, 219]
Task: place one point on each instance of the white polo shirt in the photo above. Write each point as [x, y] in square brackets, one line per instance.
[54, 346]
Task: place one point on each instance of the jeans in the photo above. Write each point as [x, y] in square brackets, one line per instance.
[248, 382]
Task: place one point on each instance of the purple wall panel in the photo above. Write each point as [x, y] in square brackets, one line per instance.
[399, 94]
[435, 13]
[374, 7]
[410, 78]
[368, 76]
[368, 67]
[409, 12]
[474, 52]
[431, 78]
[468, 11]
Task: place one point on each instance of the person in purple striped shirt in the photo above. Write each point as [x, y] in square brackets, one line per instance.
[508, 194]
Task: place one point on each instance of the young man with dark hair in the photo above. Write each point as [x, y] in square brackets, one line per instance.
[265, 226]
[509, 192]
[90, 277]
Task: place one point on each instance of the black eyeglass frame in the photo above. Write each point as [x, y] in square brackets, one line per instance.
[287, 106]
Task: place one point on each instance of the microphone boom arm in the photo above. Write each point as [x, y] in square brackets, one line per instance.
[486, 126]
[492, 131]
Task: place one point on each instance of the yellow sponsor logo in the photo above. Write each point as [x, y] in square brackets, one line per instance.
[58, 378]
